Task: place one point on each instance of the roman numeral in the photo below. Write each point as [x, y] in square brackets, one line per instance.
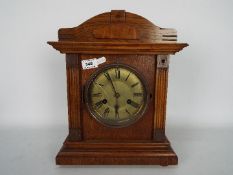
[135, 84]
[106, 112]
[118, 73]
[126, 110]
[117, 115]
[99, 104]
[127, 77]
[106, 74]
[134, 104]
[99, 94]
[137, 94]
[98, 84]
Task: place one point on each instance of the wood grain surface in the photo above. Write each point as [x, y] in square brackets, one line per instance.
[122, 38]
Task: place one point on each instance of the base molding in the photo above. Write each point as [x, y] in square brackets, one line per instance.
[116, 153]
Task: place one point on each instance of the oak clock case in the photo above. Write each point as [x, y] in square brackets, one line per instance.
[116, 95]
[117, 111]
[141, 128]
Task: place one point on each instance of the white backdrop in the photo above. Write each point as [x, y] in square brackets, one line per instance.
[33, 77]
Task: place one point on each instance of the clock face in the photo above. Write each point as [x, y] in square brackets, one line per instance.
[116, 96]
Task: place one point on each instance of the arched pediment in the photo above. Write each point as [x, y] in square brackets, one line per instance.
[117, 25]
[117, 32]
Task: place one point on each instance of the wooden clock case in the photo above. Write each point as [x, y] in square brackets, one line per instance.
[125, 38]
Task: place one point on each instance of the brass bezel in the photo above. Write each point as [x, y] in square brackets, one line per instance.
[116, 124]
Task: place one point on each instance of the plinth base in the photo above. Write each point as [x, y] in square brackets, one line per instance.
[116, 153]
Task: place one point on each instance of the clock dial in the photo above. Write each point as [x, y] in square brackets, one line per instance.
[116, 96]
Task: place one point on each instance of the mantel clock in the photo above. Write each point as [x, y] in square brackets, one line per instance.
[117, 73]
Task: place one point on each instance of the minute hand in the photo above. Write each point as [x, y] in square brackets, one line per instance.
[109, 78]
